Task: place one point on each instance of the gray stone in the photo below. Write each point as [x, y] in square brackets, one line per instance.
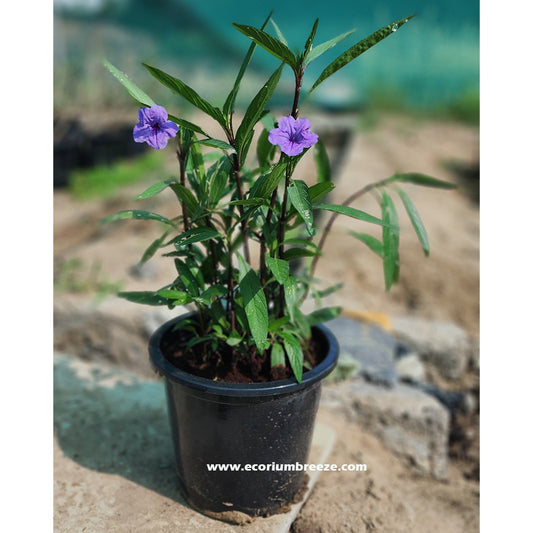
[412, 424]
[444, 345]
[410, 368]
[372, 348]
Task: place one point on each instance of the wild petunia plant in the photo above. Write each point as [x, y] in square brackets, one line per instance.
[242, 227]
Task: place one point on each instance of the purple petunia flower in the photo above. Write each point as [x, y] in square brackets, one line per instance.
[154, 128]
[292, 135]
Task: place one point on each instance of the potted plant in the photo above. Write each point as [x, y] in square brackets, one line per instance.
[243, 371]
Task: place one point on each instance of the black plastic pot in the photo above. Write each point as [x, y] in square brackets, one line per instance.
[261, 424]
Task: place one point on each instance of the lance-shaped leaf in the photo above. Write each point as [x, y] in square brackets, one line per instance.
[416, 221]
[178, 87]
[291, 295]
[300, 199]
[196, 235]
[323, 315]
[187, 197]
[324, 47]
[391, 241]
[374, 244]
[152, 249]
[422, 179]
[155, 189]
[277, 356]
[269, 43]
[279, 269]
[266, 184]
[137, 214]
[255, 304]
[185, 124]
[255, 110]
[144, 297]
[351, 212]
[134, 91]
[294, 354]
[310, 39]
[358, 49]
[230, 100]
[322, 162]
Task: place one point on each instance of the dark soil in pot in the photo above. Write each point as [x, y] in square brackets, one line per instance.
[223, 364]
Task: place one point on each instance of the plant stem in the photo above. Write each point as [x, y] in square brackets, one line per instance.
[237, 170]
[182, 156]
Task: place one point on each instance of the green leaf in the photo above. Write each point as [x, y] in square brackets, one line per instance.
[269, 43]
[291, 296]
[218, 183]
[188, 279]
[280, 35]
[134, 91]
[196, 235]
[323, 315]
[416, 221]
[319, 190]
[391, 241]
[185, 124]
[310, 39]
[358, 49]
[277, 323]
[279, 269]
[277, 356]
[322, 162]
[425, 181]
[265, 185]
[143, 297]
[255, 304]
[374, 244]
[229, 104]
[297, 253]
[152, 249]
[255, 110]
[294, 354]
[233, 339]
[215, 143]
[301, 201]
[187, 197]
[138, 215]
[178, 87]
[324, 47]
[351, 212]
[265, 151]
[178, 297]
[155, 189]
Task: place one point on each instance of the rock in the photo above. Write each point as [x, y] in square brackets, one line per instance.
[444, 345]
[102, 337]
[410, 368]
[412, 424]
[371, 347]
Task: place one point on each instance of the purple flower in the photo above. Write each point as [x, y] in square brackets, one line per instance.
[292, 135]
[154, 128]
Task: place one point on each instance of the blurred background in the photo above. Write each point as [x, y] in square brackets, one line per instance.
[431, 66]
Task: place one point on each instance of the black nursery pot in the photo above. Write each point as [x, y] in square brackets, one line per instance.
[264, 425]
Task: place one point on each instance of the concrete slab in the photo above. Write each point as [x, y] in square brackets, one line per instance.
[113, 458]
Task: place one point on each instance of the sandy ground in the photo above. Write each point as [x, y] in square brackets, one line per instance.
[444, 286]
